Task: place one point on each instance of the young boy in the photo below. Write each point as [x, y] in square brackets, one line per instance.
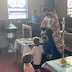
[27, 59]
[37, 52]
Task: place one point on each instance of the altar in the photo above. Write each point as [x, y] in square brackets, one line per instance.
[22, 45]
[53, 65]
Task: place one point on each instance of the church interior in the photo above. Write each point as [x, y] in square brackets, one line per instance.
[19, 27]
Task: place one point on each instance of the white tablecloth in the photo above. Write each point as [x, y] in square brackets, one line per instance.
[24, 47]
[53, 65]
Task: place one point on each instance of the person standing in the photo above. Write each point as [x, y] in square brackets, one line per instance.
[50, 28]
[27, 59]
[35, 23]
[37, 52]
[35, 19]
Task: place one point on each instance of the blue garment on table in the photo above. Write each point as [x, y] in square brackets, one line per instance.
[36, 19]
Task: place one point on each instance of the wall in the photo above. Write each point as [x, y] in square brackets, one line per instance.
[35, 4]
[61, 6]
[3, 9]
[3, 15]
[50, 4]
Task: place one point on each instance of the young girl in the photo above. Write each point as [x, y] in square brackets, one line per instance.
[27, 59]
[37, 52]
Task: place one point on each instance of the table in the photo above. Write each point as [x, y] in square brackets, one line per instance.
[53, 66]
[24, 45]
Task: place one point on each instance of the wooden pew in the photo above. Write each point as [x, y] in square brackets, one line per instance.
[68, 41]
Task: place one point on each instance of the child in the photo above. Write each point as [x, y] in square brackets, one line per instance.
[27, 59]
[37, 52]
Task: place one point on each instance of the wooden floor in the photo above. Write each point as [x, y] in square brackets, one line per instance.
[9, 63]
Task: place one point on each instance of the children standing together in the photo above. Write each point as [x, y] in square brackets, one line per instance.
[36, 54]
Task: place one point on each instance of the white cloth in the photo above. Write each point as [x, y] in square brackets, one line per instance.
[55, 66]
[47, 22]
[24, 47]
[37, 52]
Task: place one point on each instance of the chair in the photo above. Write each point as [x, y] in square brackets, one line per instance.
[26, 31]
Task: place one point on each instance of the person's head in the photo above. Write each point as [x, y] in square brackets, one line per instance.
[36, 41]
[33, 12]
[46, 11]
[27, 58]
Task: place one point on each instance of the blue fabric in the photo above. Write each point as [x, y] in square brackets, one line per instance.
[36, 19]
[49, 46]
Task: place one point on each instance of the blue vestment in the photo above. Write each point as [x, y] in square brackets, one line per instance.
[49, 45]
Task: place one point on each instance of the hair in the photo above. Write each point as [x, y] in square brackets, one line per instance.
[45, 9]
[33, 11]
[36, 41]
[27, 58]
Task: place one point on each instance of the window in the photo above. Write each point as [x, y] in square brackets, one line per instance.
[69, 8]
[17, 9]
